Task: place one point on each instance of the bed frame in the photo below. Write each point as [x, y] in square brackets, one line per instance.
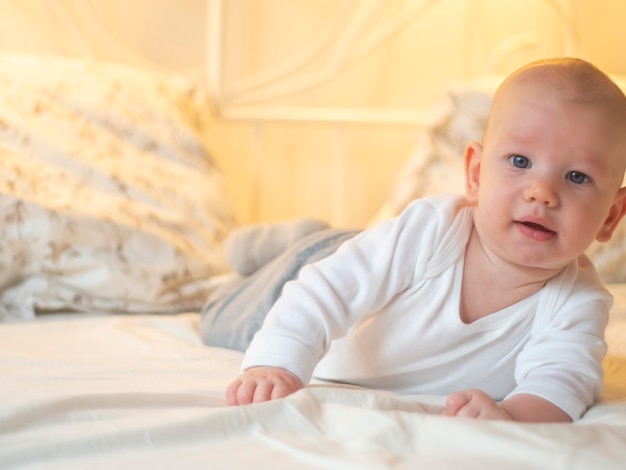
[357, 30]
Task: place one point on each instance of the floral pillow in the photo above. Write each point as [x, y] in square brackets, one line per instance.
[109, 200]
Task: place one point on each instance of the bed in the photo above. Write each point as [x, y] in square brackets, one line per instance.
[142, 391]
[116, 200]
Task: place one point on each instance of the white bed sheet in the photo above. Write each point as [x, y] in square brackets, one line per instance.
[141, 391]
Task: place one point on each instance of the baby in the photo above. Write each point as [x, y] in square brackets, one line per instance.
[486, 298]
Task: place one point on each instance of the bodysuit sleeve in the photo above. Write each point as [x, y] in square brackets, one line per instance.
[562, 362]
[335, 294]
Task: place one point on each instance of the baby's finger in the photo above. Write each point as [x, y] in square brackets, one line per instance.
[263, 391]
[469, 410]
[231, 393]
[245, 392]
[455, 402]
[282, 389]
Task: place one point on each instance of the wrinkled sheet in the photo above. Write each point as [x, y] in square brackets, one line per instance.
[141, 391]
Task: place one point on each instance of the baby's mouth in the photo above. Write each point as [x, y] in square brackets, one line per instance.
[535, 230]
[536, 227]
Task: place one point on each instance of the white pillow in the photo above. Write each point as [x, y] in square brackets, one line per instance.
[109, 199]
[436, 166]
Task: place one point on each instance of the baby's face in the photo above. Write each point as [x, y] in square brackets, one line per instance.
[548, 177]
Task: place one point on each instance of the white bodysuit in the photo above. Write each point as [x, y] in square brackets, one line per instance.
[383, 312]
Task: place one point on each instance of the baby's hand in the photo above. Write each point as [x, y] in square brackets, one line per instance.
[474, 404]
[262, 384]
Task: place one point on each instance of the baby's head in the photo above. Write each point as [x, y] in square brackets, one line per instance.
[568, 80]
[546, 178]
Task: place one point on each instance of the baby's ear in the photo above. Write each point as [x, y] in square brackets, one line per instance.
[473, 154]
[618, 210]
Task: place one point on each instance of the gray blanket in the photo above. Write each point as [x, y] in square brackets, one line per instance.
[232, 319]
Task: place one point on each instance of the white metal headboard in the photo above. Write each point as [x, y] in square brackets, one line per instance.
[250, 99]
[241, 100]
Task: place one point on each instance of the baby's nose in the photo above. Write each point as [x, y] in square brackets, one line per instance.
[542, 192]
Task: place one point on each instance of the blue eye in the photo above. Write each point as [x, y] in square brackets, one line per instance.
[577, 177]
[519, 161]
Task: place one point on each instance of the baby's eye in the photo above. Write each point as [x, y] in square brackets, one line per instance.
[518, 161]
[577, 177]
